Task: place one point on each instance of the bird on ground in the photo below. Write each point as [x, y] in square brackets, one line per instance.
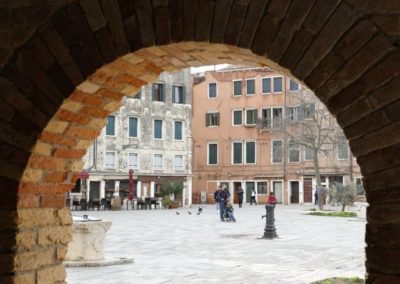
[190, 213]
[199, 211]
[177, 213]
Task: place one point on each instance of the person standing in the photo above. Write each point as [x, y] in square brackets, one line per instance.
[223, 199]
[316, 197]
[216, 199]
[272, 199]
[253, 197]
[240, 193]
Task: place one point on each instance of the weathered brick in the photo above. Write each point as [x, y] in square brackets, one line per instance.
[20, 278]
[54, 235]
[54, 177]
[95, 112]
[379, 160]
[67, 154]
[82, 132]
[144, 18]
[189, 19]
[34, 217]
[383, 179]
[376, 257]
[88, 87]
[26, 240]
[72, 106]
[32, 260]
[162, 25]
[28, 201]
[93, 14]
[385, 235]
[32, 175]
[77, 165]
[46, 163]
[382, 214]
[222, 12]
[55, 126]
[336, 26]
[64, 216]
[87, 99]
[43, 188]
[295, 16]
[54, 138]
[61, 252]
[52, 274]
[381, 278]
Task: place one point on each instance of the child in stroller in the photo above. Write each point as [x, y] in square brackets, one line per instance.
[228, 213]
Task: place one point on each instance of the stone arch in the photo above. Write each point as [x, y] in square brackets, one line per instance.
[346, 51]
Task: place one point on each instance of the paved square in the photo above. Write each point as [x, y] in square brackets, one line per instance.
[190, 248]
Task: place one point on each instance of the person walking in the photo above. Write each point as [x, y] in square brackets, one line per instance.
[223, 199]
[253, 197]
[240, 193]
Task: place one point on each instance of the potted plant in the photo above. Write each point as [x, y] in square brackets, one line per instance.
[171, 189]
[167, 203]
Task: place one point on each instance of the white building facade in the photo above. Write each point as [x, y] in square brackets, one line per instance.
[150, 135]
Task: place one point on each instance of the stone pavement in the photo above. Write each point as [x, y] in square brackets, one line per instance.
[171, 248]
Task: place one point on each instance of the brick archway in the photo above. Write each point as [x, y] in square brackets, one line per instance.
[346, 51]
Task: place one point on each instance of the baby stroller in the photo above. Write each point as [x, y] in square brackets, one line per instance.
[228, 214]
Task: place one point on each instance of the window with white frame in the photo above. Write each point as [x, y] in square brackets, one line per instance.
[178, 130]
[250, 87]
[237, 88]
[133, 160]
[272, 118]
[158, 129]
[266, 86]
[294, 152]
[277, 151]
[278, 85]
[250, 152]
[309, 151]
[133, 126]
[212, 90]
[110, 160]
[251, 117]
[178, 162]
[262, 187]
[343, 149]
[158, 162]
[158, 92]
[110, 125]
[212, 153]
[212, 119]
[293, 86]
[237, 153]
[178, 94]
[294, 114]
[237, 117]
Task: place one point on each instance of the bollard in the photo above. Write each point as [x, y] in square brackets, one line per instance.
[270, 230]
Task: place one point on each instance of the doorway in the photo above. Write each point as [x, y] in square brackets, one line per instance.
[236, 185]
[277, 190]
[94, 192]
[294, 192]
[307, 189]
[249, 188]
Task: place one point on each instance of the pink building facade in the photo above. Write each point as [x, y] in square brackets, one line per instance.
[239, 139]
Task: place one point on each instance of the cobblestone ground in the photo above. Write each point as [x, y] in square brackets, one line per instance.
[190, 248]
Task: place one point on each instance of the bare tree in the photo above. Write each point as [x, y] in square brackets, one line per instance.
[310, 125]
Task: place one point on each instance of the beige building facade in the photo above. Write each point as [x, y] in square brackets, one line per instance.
[241, 120]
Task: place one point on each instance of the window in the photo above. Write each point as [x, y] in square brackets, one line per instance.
[250, 86]
[277, 151]
[278, 85]
[178, 163]
[343, 149]
[271, 118]
[251, 116]
[308, 150]
[262, 187]
[110, 126]
[133, 127]
[212, 90]
[178, 130]
[250, 152]
[293, 86]
[277, 117]
[212, 155]
[308, 110]
[178, 95]
[110, 160]
[237, 153]
[158, 129]
[237, 117]
[158, 162]
[158, 92]
[212, 119]
[294, 152]
[133, 160]
[237, 88]
[137, 95]
[266, 85]
[294, 114]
